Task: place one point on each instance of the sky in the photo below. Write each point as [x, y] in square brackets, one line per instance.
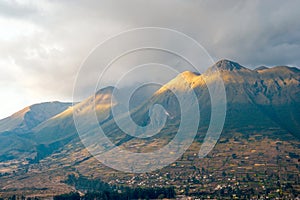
[43, 43]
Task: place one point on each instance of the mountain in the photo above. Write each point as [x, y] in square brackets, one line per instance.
[51, 129]
[263, 108]
[15, 131]
[261, 68]
[270, 97]
[266, 98]
[31, 116]
[54, 130]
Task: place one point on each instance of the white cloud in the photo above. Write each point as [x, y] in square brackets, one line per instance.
[42, 43]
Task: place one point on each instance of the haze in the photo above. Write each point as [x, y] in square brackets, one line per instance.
[42, 43]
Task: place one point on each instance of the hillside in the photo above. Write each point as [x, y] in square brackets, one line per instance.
[263, 110]
[31, 116]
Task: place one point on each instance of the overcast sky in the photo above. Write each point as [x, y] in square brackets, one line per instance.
[42, 43]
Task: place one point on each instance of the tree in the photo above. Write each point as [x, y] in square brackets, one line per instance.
[70, 196]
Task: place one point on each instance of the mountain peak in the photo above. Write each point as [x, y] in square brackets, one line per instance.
[106, 90]
[261, 68]
[280, 70]
[227, 65]
[189, 75]
[31, 116]
[287, 68]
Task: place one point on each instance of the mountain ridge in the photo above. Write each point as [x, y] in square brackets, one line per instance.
[31, 116]
[261, 103]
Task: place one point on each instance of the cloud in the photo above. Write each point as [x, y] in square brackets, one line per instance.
[42, 43]
[16, 9]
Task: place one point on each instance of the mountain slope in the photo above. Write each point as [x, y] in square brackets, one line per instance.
[59, 130]
[262, 112]
[257, 100]
[62, 125]
[281, 89]
[14, 143]
[29, 117]
[47, 129]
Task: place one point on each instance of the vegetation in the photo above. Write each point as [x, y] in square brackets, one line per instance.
[97, 189]
[70, 196]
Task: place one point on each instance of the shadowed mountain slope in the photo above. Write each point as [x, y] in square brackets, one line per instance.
[29, 117]
[257, 100]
